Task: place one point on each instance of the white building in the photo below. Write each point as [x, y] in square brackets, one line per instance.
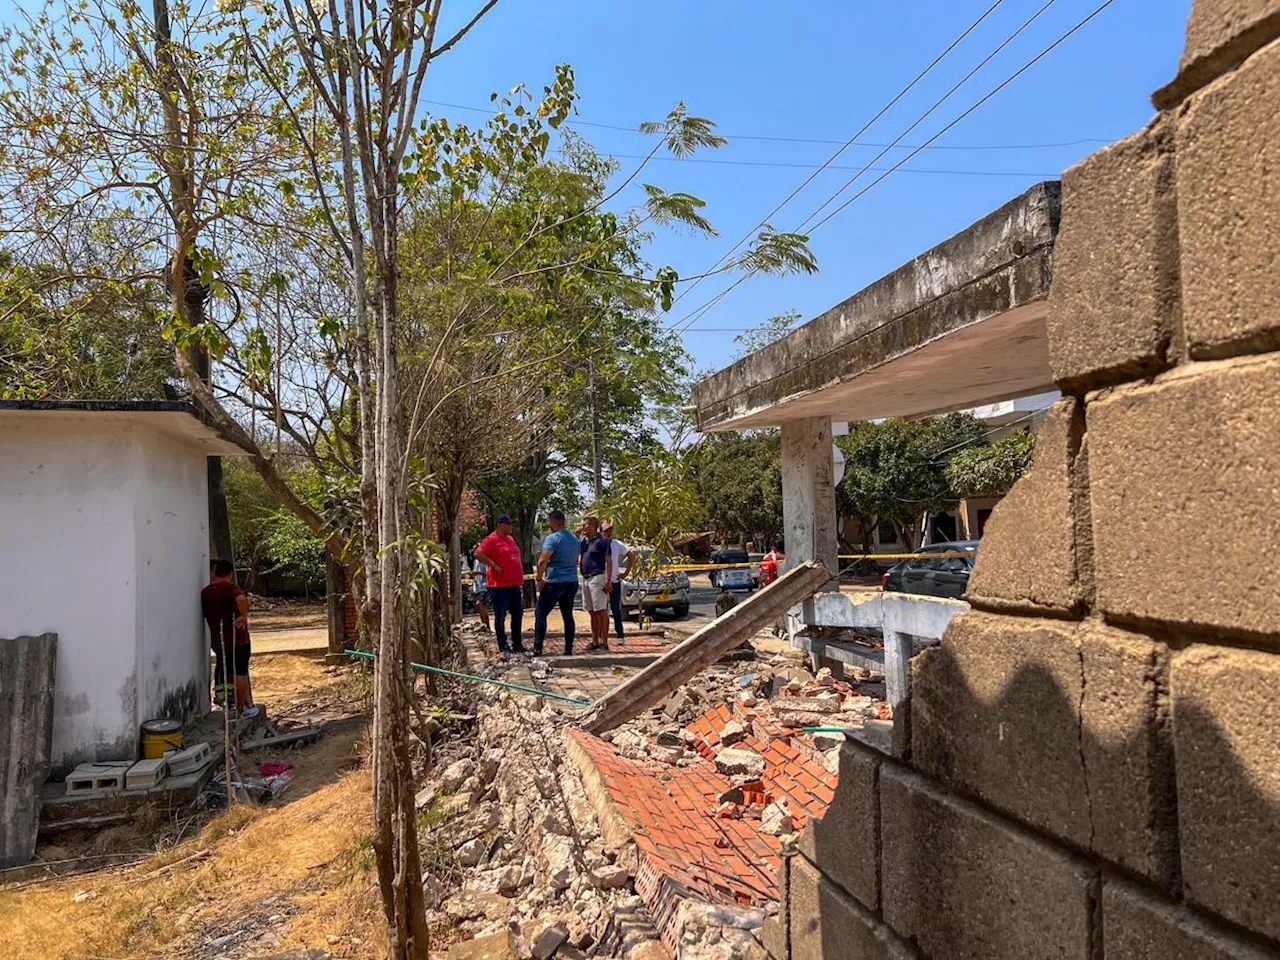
[104, 520]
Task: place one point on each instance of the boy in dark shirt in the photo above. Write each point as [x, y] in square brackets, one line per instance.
[226, 611]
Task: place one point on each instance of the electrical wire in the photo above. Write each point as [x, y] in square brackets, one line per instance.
[816, 140]
[814, 166]
[834, 156]
[700, 311]
[936, 104]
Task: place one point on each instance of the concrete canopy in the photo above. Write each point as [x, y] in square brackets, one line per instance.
[180, 420]
[960, 325]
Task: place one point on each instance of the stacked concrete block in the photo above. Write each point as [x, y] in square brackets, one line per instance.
[97, 779]
[145, 774]
[1093, 767]
[1041, 512]
[962, 883]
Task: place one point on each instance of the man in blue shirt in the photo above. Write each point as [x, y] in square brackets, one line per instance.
[557, 581]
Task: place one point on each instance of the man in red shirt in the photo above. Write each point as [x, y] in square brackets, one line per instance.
[501, 554]
[226, 611]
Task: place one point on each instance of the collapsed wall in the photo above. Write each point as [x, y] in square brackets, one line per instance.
[1093, 763]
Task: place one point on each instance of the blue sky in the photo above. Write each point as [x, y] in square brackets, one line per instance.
[819, 70]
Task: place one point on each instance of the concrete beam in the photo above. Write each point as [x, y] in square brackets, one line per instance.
[959, 325]
[658, 680]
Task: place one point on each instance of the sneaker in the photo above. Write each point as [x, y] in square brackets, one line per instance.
[249, 712]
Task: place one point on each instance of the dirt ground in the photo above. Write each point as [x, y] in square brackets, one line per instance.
[278, 626]
[250, 881]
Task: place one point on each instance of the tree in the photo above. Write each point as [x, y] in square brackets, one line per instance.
[770, 331]
[990, 470]
[894, 470]
[96, 341]
[738, 479]
[651, 503]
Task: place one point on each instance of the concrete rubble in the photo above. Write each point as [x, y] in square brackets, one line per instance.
[531, 855]
[535, 863]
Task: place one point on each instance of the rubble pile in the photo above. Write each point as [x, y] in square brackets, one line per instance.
[531, 857]
[766, 700]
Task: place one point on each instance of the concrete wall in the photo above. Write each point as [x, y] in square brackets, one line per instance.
[106, 546]
[172, 557]
[1093, 767]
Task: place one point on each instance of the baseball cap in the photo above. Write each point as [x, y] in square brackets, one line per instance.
[607, 525]
[502, 518]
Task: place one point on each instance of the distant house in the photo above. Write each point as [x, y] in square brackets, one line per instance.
[104, 513]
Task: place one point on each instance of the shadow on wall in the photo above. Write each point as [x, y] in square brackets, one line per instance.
[1079, 784]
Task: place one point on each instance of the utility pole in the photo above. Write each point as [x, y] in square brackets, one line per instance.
[595, 431]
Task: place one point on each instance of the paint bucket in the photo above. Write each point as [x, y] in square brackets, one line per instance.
[159, 736]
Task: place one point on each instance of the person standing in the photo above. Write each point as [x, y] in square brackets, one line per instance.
[226, 611]
[557, 581]
[480, 591]
[596, 563]
[623, 559]
[505, 580]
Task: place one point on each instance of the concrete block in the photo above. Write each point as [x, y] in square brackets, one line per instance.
[188, 759]
[1045, 517]
[1221, 34]
[845, 844]
[1061, 726]
[961, 882]
[1229, 211]
[497, 946]
[1114, 298]
[28, 668]
[1182, 480]
[826, 924]
[1137, 926]
[96, 779]
[1226, 722]
[145, 774]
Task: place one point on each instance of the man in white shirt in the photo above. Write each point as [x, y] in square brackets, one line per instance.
[623, 558]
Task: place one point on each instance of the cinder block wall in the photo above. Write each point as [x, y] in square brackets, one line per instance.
[1092, 770]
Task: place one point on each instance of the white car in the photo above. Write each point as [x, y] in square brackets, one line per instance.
[664, 590]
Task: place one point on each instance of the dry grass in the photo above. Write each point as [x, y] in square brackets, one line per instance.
[302, 858]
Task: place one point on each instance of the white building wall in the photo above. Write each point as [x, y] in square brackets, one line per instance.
[98, 530]
[171, 517]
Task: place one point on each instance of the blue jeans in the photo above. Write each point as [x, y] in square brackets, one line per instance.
[554, 594]
[506, 599]
[615, 605]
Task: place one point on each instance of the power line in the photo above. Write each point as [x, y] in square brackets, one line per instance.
[816, 140]
[936, 104]
[834, 156]
[1017, 73]
[814, 166]
[704, 308]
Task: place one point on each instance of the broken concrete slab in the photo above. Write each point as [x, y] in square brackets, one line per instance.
[735, 762]
[658, 680]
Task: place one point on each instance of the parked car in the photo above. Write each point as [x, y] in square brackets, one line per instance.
[728, 555]
[931, 575]
[663, 590]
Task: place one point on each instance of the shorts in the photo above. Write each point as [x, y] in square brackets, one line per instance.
[480, 595]
[594, 599]
[239, 662]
